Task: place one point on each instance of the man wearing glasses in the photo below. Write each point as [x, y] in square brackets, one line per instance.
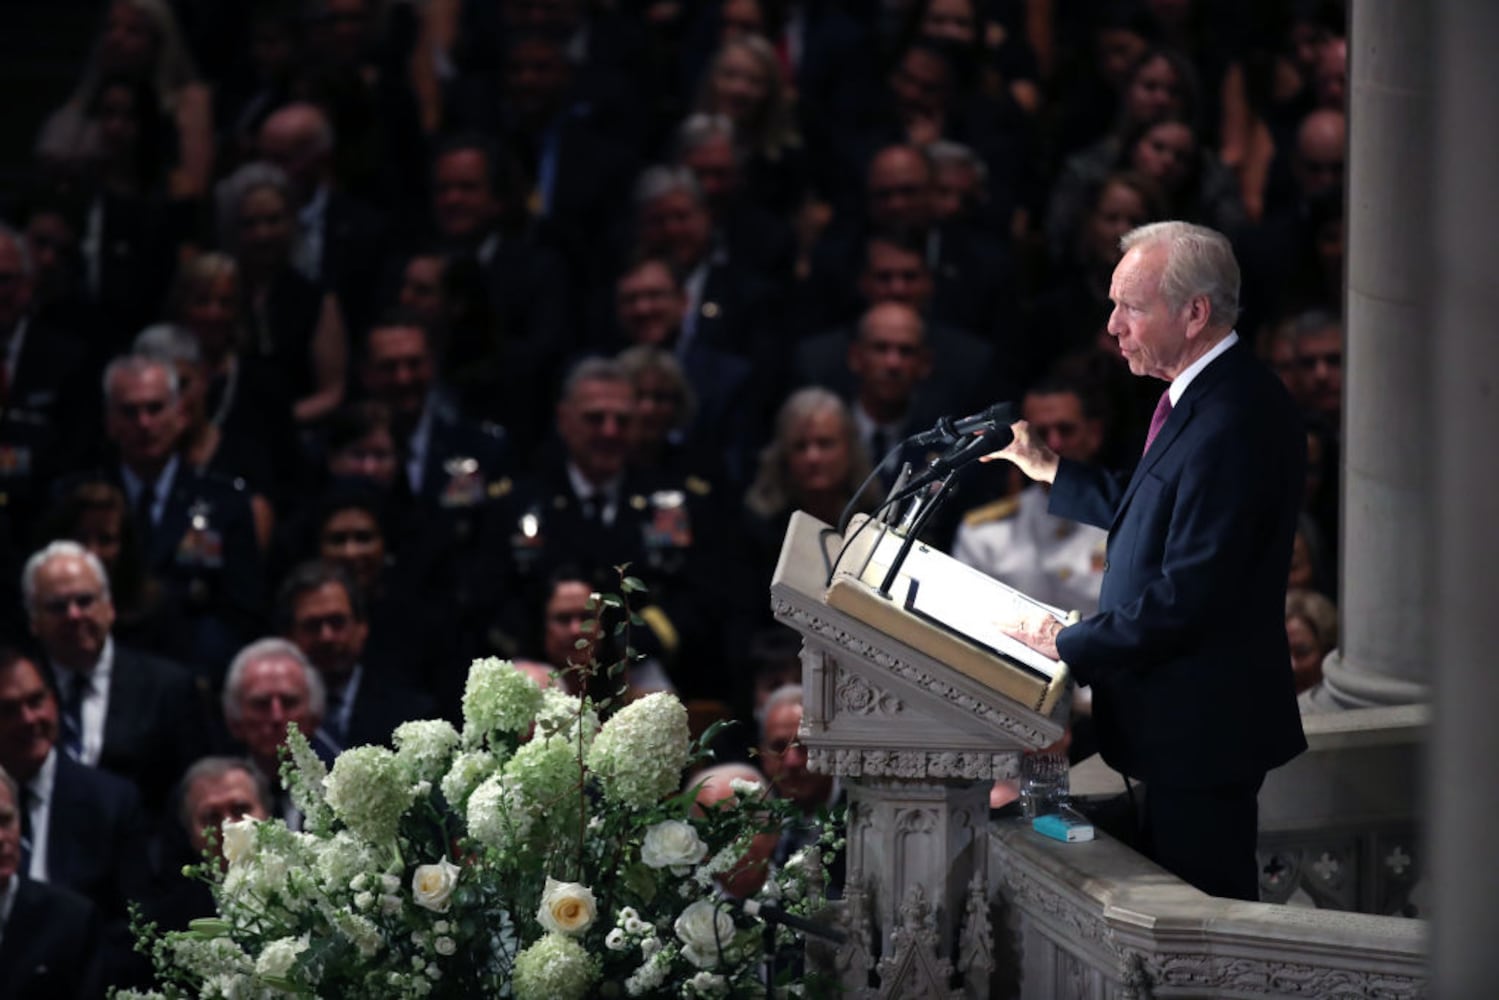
[119, 709]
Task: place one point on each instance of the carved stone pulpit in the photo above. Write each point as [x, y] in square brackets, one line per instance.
[918, 722]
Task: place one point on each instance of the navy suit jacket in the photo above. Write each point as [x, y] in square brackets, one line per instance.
[97, 838]
[1187, 655]
[156, 725]
[50, 950]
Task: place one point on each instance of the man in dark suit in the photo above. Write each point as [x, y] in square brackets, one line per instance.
[49, 936]
[589, 509]
[197, 532]
[81, 829]
[320, 610]
[123, 711]
[965, 373]
[1187, 656]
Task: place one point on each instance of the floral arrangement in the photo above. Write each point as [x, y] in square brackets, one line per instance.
[536, 853]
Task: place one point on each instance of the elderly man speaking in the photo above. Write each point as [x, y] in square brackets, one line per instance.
[1187, 654]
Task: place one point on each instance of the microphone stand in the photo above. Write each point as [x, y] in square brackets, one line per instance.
[917, 525]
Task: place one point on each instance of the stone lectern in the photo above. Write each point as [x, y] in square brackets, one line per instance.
[917, 718]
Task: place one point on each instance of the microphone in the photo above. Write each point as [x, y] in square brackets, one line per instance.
[947, 430]
[966, 451]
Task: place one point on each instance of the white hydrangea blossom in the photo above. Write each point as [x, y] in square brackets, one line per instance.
[545, 772]
[467, 772]
[496, 814]
[423, 748]
[497, 698]
[639, 754]
[369, 792]
[558, 717]
[555, 967]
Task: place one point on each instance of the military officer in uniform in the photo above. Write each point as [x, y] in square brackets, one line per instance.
[588, 508]
[453, 467]
[197, 532]
[1016, 541]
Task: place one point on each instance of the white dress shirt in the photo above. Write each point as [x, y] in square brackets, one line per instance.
[39, 793]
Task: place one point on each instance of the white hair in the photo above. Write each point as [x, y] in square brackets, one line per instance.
[1199, 261]
[168, 342]
[786, 694]
[945, 151]
[660, 181]
[61, 548]
[231, 192]
[699, 129]
[273, 648]
[136, 364]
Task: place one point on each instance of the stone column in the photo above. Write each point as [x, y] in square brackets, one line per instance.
[1464, 535]
[1387, 591]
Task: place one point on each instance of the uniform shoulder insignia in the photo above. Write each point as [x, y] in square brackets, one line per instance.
[997, 511]
[500, 487]
[698, 486]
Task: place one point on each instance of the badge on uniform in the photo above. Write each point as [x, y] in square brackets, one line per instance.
[202, 544]
[670, 525]
[465, 486]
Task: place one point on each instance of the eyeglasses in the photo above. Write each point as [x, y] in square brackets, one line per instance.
[780, 746]
[60, 605]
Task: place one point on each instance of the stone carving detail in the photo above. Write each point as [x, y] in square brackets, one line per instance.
[914, 969]
[1279, 979]
[855, 957]
[915, 821]
[1031, 896]
[805, 622]
[858, 696]
[851, 762]
[976, 943]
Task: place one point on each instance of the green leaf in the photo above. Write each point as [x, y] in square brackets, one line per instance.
[632, 585]
[640, 880]
[611, 600]
[636, 620]
[582, 643]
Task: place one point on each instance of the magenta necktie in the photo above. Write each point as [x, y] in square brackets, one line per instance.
[1158, 419]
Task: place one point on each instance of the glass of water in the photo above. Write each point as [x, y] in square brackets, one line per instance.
[1043, 783]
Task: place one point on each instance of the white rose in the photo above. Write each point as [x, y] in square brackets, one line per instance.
[390, 884]
[390, 905]
[432, 885]
[672, 844]
[445, 945]
[364, 900]
[566, 907]
[616, 940]
[238, 836]
[704, 928]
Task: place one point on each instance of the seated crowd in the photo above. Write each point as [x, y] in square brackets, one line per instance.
[346, 341]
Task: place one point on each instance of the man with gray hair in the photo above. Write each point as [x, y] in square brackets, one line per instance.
[196, 530]
[119, 709]
[1187, 655]
[726, 303]
[270, 685]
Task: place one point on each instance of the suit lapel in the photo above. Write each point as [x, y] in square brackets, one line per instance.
[1181, 416]
[124, 709]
